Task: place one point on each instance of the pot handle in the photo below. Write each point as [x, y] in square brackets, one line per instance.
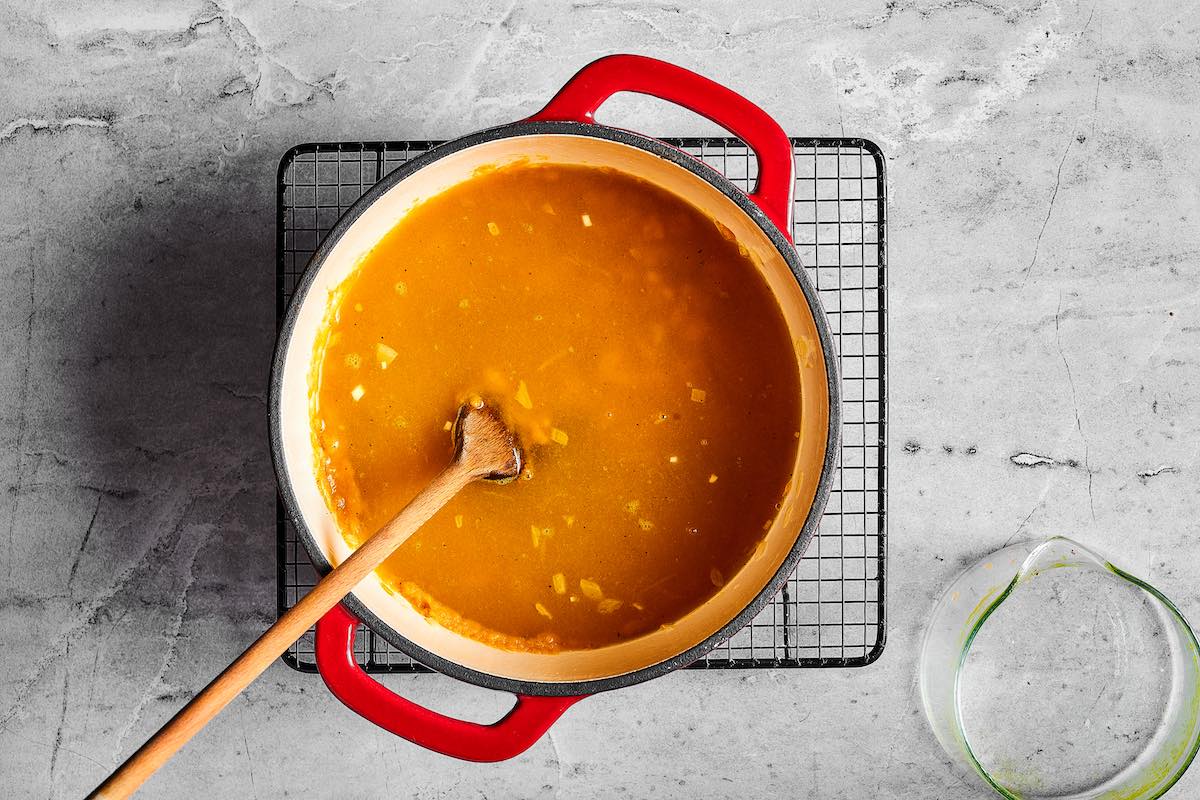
[579, 99]
[510, 736]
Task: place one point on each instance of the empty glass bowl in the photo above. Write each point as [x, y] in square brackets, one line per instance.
[1051, 673]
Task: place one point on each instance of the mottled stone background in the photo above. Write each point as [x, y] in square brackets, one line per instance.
[1044, 195]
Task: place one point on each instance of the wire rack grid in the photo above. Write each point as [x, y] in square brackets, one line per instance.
[831, 611]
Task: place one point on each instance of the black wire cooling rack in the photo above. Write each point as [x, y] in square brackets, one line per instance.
[830, 613]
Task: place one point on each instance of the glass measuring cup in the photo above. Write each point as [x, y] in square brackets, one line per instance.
[1026, 687]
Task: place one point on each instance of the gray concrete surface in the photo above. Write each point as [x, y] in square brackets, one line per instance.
[1044, 301]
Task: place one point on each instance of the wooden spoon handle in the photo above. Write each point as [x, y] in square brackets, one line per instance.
[287, 629]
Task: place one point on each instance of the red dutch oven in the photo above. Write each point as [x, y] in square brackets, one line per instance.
[564, 131]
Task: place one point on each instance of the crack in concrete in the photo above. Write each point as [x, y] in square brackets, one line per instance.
[1099, 65]
[62, 718]
[397, 59]
[115, 493]
[260, 75]
[61, 748]
[1153, 473]
[170, 636]
[764, 24]
[58, 457]
[15, 236]
[23, 421]
[1088, 23]
[87, 534]
[87, 718]
[52, 125]
[632, 15]
[247, 43]
[837, 77]
[87, 614]
[1020, 527]
[456, 90]
[153, 454]
[903, 101]
[558, 760]
[962, 76]
[234, 392]
[1075, 402]
[1009, 14]
[24, 602]
[249, 760]
[1027, 459]
[1037, 245]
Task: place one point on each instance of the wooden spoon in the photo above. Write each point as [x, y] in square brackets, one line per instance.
[484, 448]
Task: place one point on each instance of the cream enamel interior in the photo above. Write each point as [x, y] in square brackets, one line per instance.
[392, 609]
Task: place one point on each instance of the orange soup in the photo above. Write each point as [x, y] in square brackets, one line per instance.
[637, 351]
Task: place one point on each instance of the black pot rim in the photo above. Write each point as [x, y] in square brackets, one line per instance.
[824, 484]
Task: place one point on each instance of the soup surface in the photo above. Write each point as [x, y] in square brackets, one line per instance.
[637, 351]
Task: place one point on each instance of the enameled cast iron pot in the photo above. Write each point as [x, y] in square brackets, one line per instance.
[563, 132]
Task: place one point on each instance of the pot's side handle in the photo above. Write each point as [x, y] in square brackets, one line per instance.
[512, 735]
[579, 99]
